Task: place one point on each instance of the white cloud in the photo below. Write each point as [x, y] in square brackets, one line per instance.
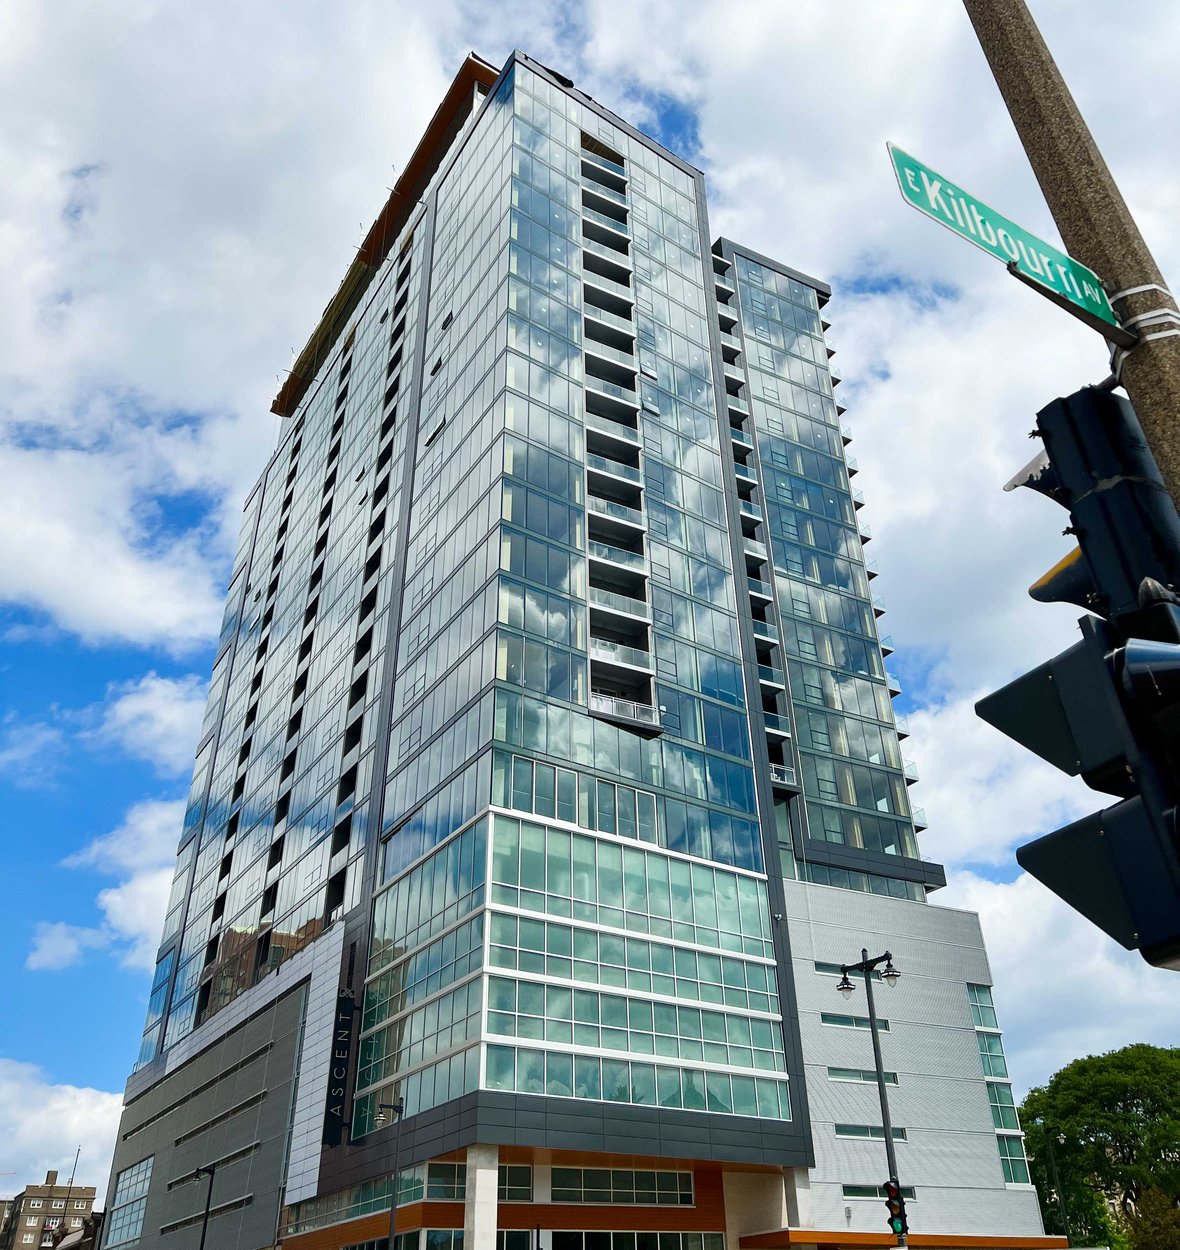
[1063, 989]
[29, 753]
[140, 853]
[43, 1123]
[57, 945]
[156, 719]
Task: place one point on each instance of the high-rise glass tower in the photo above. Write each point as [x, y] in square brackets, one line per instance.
[550, 771]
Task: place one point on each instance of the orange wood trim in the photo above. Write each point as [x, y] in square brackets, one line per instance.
[427, 156]
[783, 1238]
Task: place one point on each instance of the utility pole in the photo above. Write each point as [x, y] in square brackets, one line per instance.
[1093, 219]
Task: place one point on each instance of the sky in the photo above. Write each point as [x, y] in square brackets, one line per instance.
[181, 190]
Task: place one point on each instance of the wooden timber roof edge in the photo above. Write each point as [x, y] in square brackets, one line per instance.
[428, 155]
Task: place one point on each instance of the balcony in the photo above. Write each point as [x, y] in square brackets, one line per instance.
[607, 426]
[613, 224]
[609, 399]
[618, 653]
[603, 170]
[616, 321]
[747, 507]
[858, 499]
[741, 438]
[745, 473]
[754, 548]
[603, 464]
[626, 605]
[600, 292]
[726, 314]
[777, 724]
[768, 675]
[614, 255]
[760, 589]
[621, 357]
[902, 725]
[625, 712]
[911, 771]
[918, 815]
[845, 435]
[892, 682]
[594, 191]
[878, 606]
[887, 645]
[616, 511]
[613, 266]
[734, 373]
[616, 555]
[783, 775]
[737, 407]
[764, 629]
[730, 341]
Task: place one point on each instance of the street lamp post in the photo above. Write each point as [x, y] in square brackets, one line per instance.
[1057, 1180]
[890, 976]
[207, 1170]
[396, 1109]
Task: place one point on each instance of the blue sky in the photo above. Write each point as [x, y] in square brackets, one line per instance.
[180, 192]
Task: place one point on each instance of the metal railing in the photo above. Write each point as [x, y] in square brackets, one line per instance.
[625, 709]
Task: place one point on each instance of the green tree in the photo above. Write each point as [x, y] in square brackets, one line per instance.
[1112, 1125]
[1155, 1222]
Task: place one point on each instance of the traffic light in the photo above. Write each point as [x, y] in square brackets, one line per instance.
[1108, 709]
[898, 1224]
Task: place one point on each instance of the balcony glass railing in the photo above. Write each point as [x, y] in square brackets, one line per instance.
[902, 724]
[764, 629]
[615, 288]
[624, 709]
[758, 587]
[591, 186]
[775, 676]
[616, 429]
[776, 723]
[627, 394]
[607, 253]
[747, 507]
[755, 548]
[594, 347]
[614, 467]
[910, 769]
[919, 818]
[602, 219]
[746, 473]
[742, 440]
[617, 555]
[601, 648]
[782, 774]
[609, 318]
[730, 340]
[620, 603]
[596, 158]
[892, 682]
[617, 511]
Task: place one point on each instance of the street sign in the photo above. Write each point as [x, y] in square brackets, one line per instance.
[1065, 281]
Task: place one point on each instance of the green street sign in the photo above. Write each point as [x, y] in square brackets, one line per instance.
[1065, 281]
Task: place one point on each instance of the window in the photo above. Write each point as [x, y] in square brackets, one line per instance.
[59, 1204]
[853, 1022]
[1003, 1108]
[983, 1011]
[621, 1186]
[865, 1075]
[80, 1204]
[516, 1183]
[875, 1191]
[446, 1181]
[35, 1204]
[875, 1131]
[128, 1204]
[991, 1054]
[1012, 1160]
[27, 1239]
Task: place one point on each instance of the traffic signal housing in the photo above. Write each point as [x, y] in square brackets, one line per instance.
[1108, 709]
[895, 1203]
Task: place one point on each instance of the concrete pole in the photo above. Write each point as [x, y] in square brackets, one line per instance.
[1095, 224]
